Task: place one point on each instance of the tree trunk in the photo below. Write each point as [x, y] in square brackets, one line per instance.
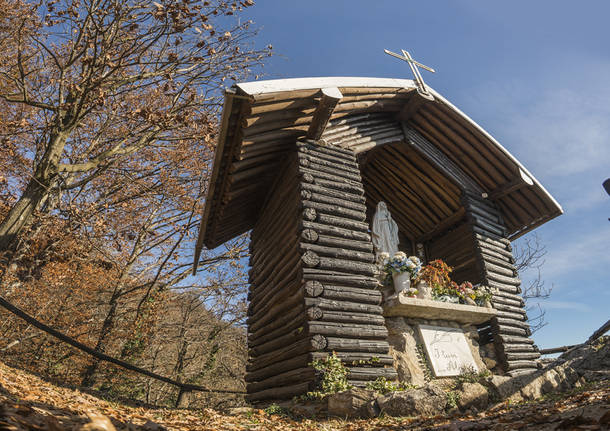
[36, 192]
[21, 213]
[89, 373]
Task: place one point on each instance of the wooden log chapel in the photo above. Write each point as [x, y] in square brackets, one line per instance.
[302, 164]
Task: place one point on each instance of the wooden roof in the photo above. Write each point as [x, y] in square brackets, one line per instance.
[430, 147]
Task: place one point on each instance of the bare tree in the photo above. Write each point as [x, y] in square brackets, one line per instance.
[529, 256]
[89, 84]
[108, 115]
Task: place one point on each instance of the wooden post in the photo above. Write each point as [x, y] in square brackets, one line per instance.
[313, 287]
[509, 330]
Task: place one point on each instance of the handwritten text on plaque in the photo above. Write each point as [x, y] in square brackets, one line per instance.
[447, 349]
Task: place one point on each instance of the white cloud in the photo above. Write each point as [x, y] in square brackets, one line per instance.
[583, 200]
[578, 254]
[555, 129]
[565, 132]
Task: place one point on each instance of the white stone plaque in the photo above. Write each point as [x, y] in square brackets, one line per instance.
[447, 349]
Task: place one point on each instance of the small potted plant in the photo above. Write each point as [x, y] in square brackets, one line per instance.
[402, 269]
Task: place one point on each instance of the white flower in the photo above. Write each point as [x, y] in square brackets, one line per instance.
[400, 255]
[384, 255]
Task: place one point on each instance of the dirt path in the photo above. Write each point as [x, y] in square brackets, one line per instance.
[30, 403]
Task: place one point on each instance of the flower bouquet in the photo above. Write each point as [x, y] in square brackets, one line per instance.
[479, 295]
[402, 269]
[436, 275]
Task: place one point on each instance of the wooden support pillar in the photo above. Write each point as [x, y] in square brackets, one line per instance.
[313, 287]
[509, 330]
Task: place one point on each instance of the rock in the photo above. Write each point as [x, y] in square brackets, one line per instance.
[593, 361]
[403, 347]
[467, 426]
[506, 388]
[308, 409]
[473, 395]
[568, 371]
[554, 379]
[98, 423]
[152, 426]
[355, 403]
[237, 411]
[429, 400]
[305, 410]
[489, 363]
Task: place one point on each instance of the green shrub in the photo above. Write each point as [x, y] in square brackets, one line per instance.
[453, 398]
[383, 386]
[333, 377]
[469, 375]
[275, 409]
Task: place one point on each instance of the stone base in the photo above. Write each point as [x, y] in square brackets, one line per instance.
[404, 339]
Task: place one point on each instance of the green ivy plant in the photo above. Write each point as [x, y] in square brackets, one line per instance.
[372, 361]
[469, 375]
[453, 398]
[421, 354]
[383, 386]
[275, 409]
[333, 377]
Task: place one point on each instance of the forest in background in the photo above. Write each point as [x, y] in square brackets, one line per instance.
[108, 119]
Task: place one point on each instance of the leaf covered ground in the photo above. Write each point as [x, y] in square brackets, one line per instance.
[31, 403]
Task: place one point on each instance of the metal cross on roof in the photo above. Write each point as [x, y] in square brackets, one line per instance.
[413, 64]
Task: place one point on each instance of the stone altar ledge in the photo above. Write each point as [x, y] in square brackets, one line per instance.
[436, 310]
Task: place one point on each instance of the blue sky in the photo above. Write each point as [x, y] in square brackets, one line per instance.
[536, 75]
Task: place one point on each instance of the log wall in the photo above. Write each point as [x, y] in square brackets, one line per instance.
[312, 280]
[494, 259]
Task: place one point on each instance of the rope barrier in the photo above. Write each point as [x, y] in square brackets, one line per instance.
[184, 387]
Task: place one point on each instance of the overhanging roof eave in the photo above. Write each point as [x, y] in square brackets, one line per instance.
[218, 153]
[267, 93]
[500, 147]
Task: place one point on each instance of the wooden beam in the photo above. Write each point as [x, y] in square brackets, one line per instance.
[411, 107]
[444, 225]
[440, 161]
[329, 100]
[518, 182]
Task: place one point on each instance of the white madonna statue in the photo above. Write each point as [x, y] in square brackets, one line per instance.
[384, 231]
[385, 239]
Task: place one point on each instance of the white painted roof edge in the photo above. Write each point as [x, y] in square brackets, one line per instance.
[496, 143]
[295, 84]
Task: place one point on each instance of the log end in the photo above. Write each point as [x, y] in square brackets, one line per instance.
[310, 259]
[318, 342]
[310, 214]
[314, 313]
[307, 178]
[309, 235]
[314, 288]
